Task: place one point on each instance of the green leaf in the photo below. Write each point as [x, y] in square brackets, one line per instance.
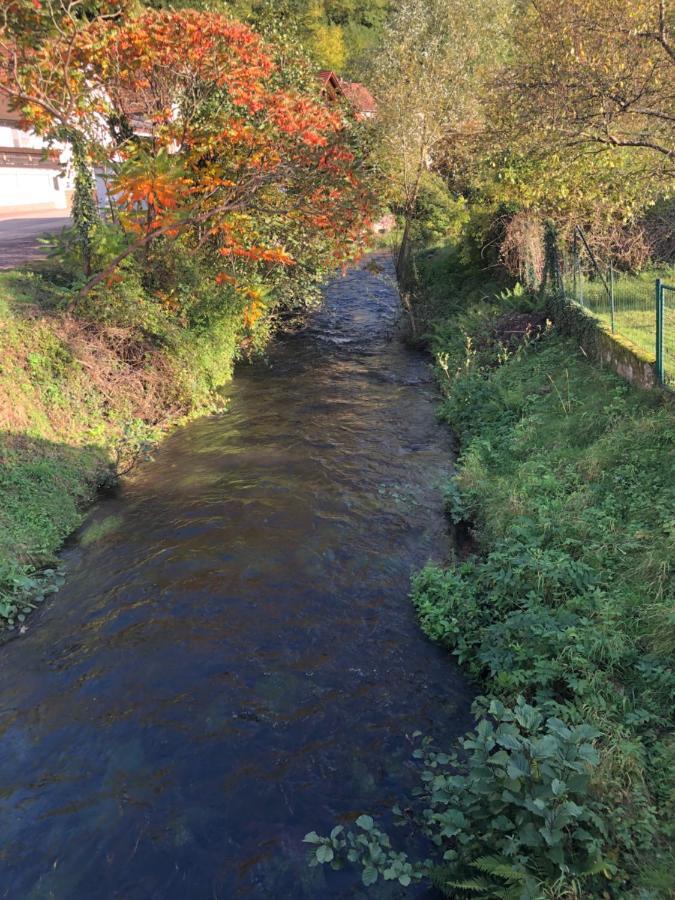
[365, 822]
[369, 876]
[588, 753]
[558, 787]
[500, 758]
[518, 766]
[312, 838]
[324, 853]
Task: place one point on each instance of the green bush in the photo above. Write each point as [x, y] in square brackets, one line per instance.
[515, 805]
[438, 214]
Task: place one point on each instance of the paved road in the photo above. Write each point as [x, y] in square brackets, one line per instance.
[19, 236]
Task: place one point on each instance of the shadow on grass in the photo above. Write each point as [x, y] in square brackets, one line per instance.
[45, 487]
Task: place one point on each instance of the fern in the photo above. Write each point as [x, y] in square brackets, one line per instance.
[499, 867]
[442, 880]
[472, 885]
[599, 867]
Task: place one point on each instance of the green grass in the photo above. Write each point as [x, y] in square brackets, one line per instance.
[57, 434]
[82, 393]
[566, 474]
[566, 478]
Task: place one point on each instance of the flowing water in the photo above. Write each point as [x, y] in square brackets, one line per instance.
[234, 661]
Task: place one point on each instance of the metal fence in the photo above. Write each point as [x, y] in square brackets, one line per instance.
[639, 308]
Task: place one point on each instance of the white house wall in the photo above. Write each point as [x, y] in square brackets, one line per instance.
[29, 181]
[32, 188]
[16, 137]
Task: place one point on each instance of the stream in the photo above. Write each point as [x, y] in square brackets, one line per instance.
[234, 661]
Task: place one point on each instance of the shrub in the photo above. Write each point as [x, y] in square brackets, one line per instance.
[438, 215]
[516, 805]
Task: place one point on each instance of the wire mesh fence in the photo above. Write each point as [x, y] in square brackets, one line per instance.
[665, 356]
[639, 308]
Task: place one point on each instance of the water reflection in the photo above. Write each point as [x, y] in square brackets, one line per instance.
[233, 661]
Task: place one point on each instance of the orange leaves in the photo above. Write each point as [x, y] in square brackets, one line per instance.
[159, 192]
[272, 255]
[157, 55]
[203, 141]
[253, 312]
[310, 120]
[255, 308]
[237, 132]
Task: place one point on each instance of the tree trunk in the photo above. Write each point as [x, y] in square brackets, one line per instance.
[403, 250]
[401, 277]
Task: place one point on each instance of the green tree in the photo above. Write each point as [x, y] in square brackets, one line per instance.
[335, 33]
[582, 114]
[429, 79]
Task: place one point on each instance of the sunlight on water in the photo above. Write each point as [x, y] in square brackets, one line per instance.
[233, 661]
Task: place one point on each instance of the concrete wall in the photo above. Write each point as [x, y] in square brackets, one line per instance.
[627, 360]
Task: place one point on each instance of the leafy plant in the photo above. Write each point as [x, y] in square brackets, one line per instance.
[516, 803]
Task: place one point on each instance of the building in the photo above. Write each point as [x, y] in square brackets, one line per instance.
[356, 94]
[32, 176]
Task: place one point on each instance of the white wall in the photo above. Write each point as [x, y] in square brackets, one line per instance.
[16, 137]
[23, 186]
[35, 187]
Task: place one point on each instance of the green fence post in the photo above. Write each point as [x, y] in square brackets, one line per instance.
[659, 331]
[611, 295]
[575, 263]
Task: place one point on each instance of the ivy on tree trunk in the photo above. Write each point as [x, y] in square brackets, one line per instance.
[85, 211]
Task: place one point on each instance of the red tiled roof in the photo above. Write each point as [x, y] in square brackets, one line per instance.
[359, 96]
[354, 92]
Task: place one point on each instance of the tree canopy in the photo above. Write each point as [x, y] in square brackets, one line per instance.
[338, 34]
[204, 133]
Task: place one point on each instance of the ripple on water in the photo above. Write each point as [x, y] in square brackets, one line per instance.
[233, 661]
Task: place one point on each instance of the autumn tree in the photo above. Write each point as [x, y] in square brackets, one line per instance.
[597, 74]
[580, 119]
[39, 76]
[203, 138]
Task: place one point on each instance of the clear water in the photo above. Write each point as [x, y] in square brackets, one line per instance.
[235, 662]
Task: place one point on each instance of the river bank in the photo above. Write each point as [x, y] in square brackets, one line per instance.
[561, 610]
[565, 480]
[82, 401]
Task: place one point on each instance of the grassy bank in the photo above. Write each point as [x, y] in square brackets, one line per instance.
[562, 612]
[81, 398]
[566, 476]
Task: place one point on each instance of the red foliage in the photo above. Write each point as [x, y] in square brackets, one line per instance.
[209, 140]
